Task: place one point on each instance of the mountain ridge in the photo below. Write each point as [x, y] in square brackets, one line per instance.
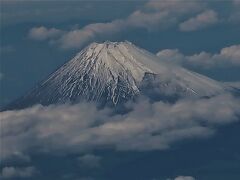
[113, 72]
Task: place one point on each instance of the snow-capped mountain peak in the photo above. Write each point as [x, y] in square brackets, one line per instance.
[108, 68]
[115, 56]
[114, 72]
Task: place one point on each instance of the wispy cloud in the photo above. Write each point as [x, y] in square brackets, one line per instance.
[154, 15]
[182, 178]
[202, 20]
[89, 161]
[18, 172]
[227, 57]
[43, 33]
[235, 14]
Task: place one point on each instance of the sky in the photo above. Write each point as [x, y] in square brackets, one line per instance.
[37, 37]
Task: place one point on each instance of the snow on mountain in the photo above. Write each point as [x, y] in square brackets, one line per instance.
[114, 72]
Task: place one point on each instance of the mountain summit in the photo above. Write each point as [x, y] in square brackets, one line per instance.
[113, 72]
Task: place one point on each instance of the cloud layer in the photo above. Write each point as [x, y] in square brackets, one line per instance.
[79, 128]
[43, 33]
[202, 20]
[18, 172]
[153, 16]
[227, 57]
[89, 161]
[184, 178]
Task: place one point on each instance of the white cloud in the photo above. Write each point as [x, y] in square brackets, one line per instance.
[79, 37]
[202, 20]
[184, 178]
[79, 128]
[228, 56]
[232, 53]
[154, 15]
[89, 161]
[18, 172]
[43, 33]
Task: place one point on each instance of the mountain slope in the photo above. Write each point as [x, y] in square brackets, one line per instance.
[113, 72]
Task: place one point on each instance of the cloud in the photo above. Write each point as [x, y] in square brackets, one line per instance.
[18, 157]
[227, 57]
[232, 53]
[235, 85]
[82, 127]
[40, 126]
[79, 37]
[43, 33]
[18, 172]
[154, 15]
[235, 13]
[89, 161]
[184, 178]
[202, 20]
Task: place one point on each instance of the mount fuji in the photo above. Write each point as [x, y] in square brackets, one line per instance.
[115, 72]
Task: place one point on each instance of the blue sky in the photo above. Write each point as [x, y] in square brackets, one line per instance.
[37, 37]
